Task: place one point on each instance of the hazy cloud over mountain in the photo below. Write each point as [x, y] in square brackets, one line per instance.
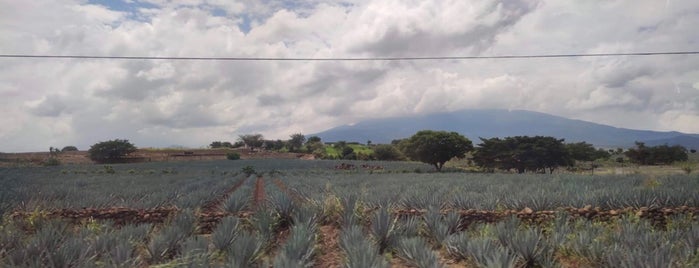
[160, 103]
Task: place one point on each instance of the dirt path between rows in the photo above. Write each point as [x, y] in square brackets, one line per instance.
[211, 212]
[331, 255]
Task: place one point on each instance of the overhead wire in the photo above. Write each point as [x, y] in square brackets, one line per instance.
[535, 56]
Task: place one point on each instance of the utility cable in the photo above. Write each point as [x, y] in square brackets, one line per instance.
[27, 56]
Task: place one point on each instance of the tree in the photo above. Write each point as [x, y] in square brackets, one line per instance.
[436, 147]
[69, 148]
[216, 144]
[312, 139]
[274, 145]
[314, 145]
[339, 145]
[348, 153]
[111, 151]
[693, 150]
[583, 151]
[220, 144]
[387, 152]
[252, 140]
[522, 153]
[639, 155]
[296, 142]
[663, 154]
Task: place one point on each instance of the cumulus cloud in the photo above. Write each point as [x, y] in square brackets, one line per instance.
[400, 28]
[190, 103]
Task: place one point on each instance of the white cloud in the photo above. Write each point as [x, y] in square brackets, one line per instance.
[163, 103]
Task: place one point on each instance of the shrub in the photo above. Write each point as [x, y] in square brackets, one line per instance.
[110, 151]
[248, 170]
[52, 161]
[109, 170]
[687, 167]
[69, 148]
[233, 156]
[387, 152]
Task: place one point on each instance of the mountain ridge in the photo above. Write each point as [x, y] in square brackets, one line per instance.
[488, 123]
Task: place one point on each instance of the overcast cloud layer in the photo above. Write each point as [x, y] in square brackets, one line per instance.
[191, 103]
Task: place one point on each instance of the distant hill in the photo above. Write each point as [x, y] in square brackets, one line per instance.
[688, 141]
[503, 123]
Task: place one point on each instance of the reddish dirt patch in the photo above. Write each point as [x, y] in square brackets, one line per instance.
[259, 195]
[146, 155]
[119, 215]
[330, 253]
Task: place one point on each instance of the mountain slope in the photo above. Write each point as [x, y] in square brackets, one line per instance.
[498, 123]
[688, 141]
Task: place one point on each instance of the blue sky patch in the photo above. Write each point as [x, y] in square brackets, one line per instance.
[122, 5]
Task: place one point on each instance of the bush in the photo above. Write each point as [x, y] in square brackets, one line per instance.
[233, 156]
[52, 161]
[69, 149]
[248, 170]
[387, 152]
[687, 167]
[111, 151]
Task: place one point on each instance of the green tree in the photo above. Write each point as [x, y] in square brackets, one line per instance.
[216, 144]
[111, 151]
[252, 141]
[656, 155]
[312, 139]
[522, 153]
[348, 153]
[492, 154]
[220, 144]
[314, 144]
[69, 148]
[276, 145]
[296, 142]
[583, 151]
[639, 155]
[339, 145]
[387, 152]
[436, 147]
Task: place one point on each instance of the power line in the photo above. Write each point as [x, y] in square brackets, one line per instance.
[348, 58]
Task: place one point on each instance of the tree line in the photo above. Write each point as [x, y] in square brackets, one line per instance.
[521, 154]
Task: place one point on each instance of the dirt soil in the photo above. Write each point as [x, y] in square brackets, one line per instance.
[146, 155]
[330, 253]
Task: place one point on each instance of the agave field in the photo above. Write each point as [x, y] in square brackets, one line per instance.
[301, 213]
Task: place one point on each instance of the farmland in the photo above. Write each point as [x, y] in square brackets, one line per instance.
[301, 213]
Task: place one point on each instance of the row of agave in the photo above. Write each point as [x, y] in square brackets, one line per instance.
[503, 191]
[236, 242]
[47, 190]
[194, 183]
[628, 242]
[366, 241]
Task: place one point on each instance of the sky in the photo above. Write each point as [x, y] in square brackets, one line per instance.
[161, 103]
